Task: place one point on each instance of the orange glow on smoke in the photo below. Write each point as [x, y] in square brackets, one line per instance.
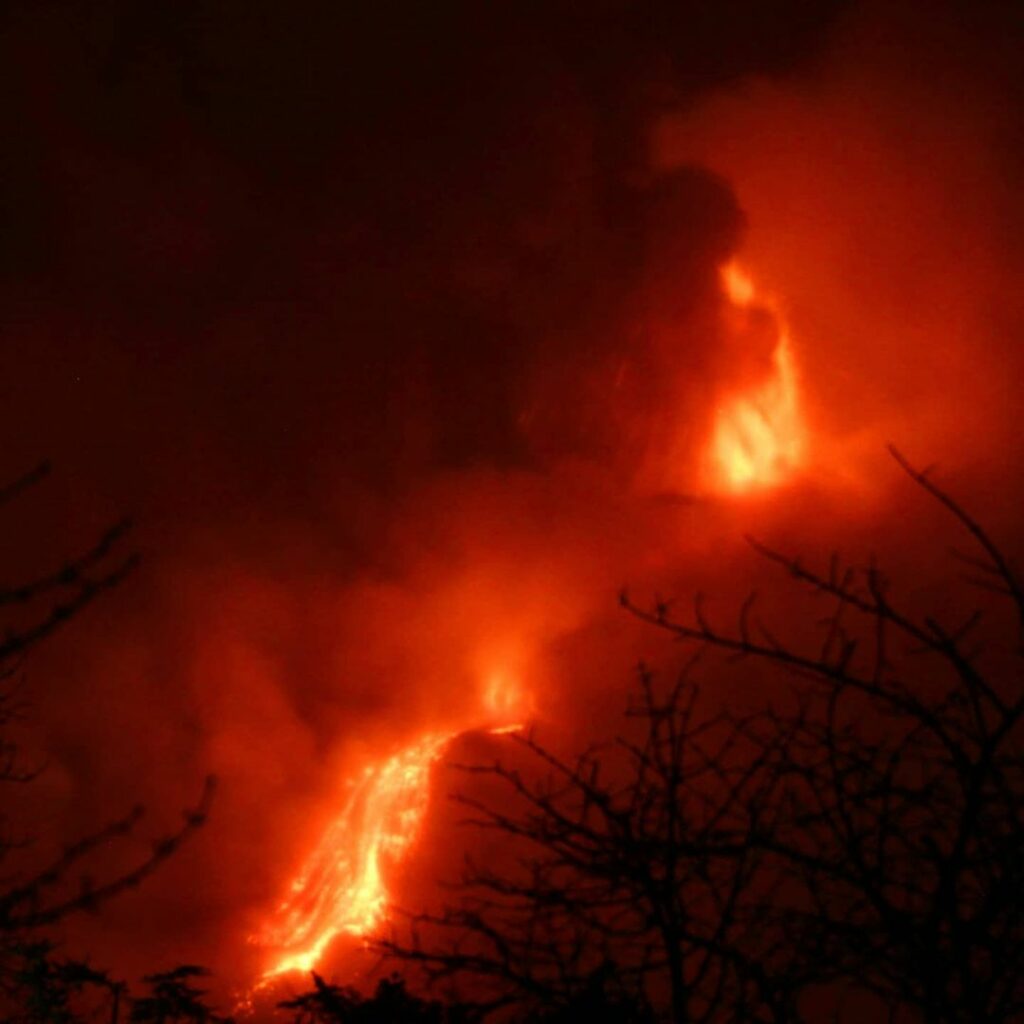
[504, 700]
[758, 439]
[738, 285]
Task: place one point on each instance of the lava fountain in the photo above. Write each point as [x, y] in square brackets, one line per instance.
[759, 437]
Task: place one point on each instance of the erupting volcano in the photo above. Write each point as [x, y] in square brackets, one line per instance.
[757, 441]
[410, 338]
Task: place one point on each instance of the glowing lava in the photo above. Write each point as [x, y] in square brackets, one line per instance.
[758, 438]
[342, 889]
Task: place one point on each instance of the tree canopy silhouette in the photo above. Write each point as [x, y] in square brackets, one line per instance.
[863, 837]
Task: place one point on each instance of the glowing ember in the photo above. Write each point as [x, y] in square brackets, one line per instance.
[342, 887]
[758, 438]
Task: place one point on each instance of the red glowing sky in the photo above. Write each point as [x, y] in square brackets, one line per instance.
[403, 339]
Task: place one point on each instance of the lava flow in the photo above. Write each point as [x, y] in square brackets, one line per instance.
[342, 888]
[759, 436]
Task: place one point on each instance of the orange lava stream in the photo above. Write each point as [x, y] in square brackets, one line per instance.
[759, 437]
[342, 888]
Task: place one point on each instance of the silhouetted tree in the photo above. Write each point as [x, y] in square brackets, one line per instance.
[47, 989]
[32, 899]
[54, 990]
[642, 877]
[903, 828]
[868, 837]
[391, 1003]
[594, 1002]
[173, 997]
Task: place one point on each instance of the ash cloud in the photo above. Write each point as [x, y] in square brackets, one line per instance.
[379, 325]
